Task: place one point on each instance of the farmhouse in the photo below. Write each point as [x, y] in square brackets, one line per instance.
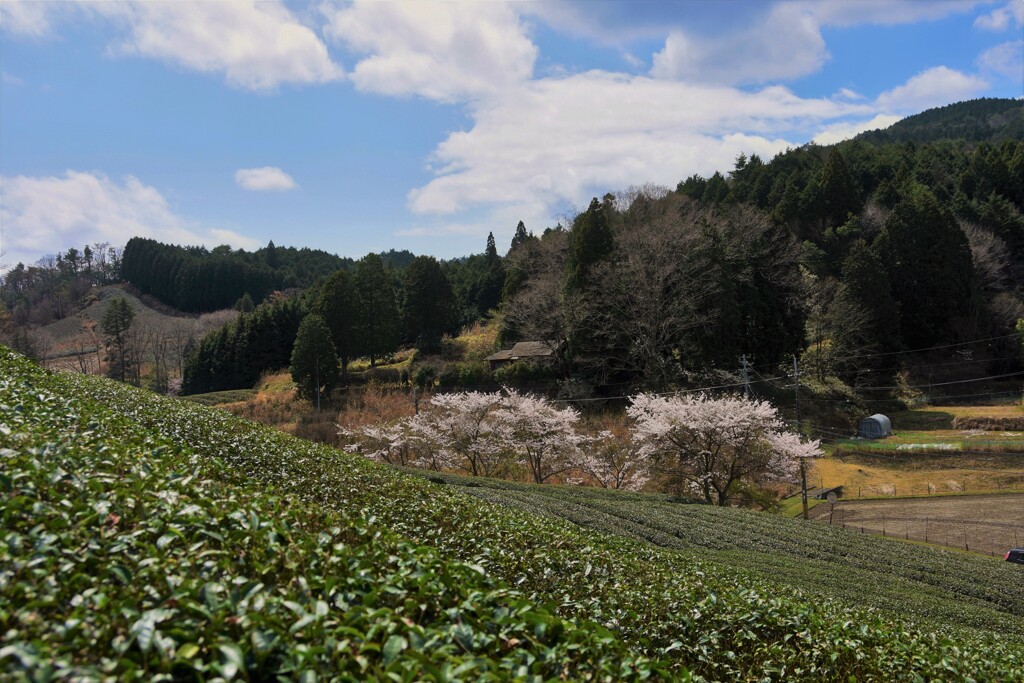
[875, 427]
[534, 351]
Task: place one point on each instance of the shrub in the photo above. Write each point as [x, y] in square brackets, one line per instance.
[522, 373]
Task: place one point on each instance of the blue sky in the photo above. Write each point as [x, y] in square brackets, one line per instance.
[356, 127]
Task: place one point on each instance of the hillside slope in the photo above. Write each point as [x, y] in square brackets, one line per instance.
[986, 119]
[72, 342]
[688, 609]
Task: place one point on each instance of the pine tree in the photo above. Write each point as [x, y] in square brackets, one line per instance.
[521, 236]
[428, 307]
[929, 264]
[377, 313]
[115, 323]
[590, 240]
[839, 189]
[314, 363]
[338, 303]
[491, 252]
[867, 283]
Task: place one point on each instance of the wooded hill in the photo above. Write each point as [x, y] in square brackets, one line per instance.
[197, 280]
[849, 256]
[846, 256]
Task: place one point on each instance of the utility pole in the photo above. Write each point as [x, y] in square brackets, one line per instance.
[746, 375]
[799, 431]
[316, 376]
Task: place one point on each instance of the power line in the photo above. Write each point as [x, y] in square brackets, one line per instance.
[930, 348]
[679, 392]
[943, 397]
[908, 351]
[943, 384]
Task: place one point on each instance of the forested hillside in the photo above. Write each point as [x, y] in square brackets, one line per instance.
[983, 120]
[848, 256]
[841, 255]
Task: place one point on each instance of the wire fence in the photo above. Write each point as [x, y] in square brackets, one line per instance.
[989, 538]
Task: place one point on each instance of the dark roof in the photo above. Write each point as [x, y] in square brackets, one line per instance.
[527, 349]
[532, 349]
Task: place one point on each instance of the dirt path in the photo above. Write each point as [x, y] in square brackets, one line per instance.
[989, 524]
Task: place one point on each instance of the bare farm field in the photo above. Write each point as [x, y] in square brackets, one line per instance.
[989, 524]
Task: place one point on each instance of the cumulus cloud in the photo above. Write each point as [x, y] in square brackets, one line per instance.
[785, 42]
[785, 45]
[267, 178]
[256, 45]
[1010, 15]
[848, 129]
[558, 140]
[41, 214]
[1006, 59]
[934, 87]
[446, 51]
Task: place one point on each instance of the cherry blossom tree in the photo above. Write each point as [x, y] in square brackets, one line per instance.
[539, 433]
[460, 428]
[394, 443]
[615, 461]
[714, 443]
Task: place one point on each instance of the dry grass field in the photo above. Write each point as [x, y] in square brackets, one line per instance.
[926, 456]
[989, 524]
[76, 342]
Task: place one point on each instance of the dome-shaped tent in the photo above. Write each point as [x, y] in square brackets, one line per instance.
[874, 427]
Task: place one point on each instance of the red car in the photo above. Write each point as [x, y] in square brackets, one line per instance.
[1016, 555]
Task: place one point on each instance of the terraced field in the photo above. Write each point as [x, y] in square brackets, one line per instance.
[924, 583]
[194, 544]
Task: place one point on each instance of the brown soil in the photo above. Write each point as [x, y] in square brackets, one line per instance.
[989, 524]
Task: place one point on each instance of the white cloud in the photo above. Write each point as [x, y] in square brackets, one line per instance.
[848, 94]
[784, 45]
[1006, 59]
[267, 178]
[29, 19]
[446, 51]
[10, 79]
[935, 87]
[42, 215]
[1011, 14]
[848, 129]
[256, 45]
[560, 140]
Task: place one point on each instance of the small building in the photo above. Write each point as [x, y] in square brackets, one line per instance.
[533, 351]
[874, 427]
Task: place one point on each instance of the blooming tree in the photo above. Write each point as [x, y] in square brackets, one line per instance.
[540, 433]
[615, 461]
[459, 427]
[714, 443]
[394, 443]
